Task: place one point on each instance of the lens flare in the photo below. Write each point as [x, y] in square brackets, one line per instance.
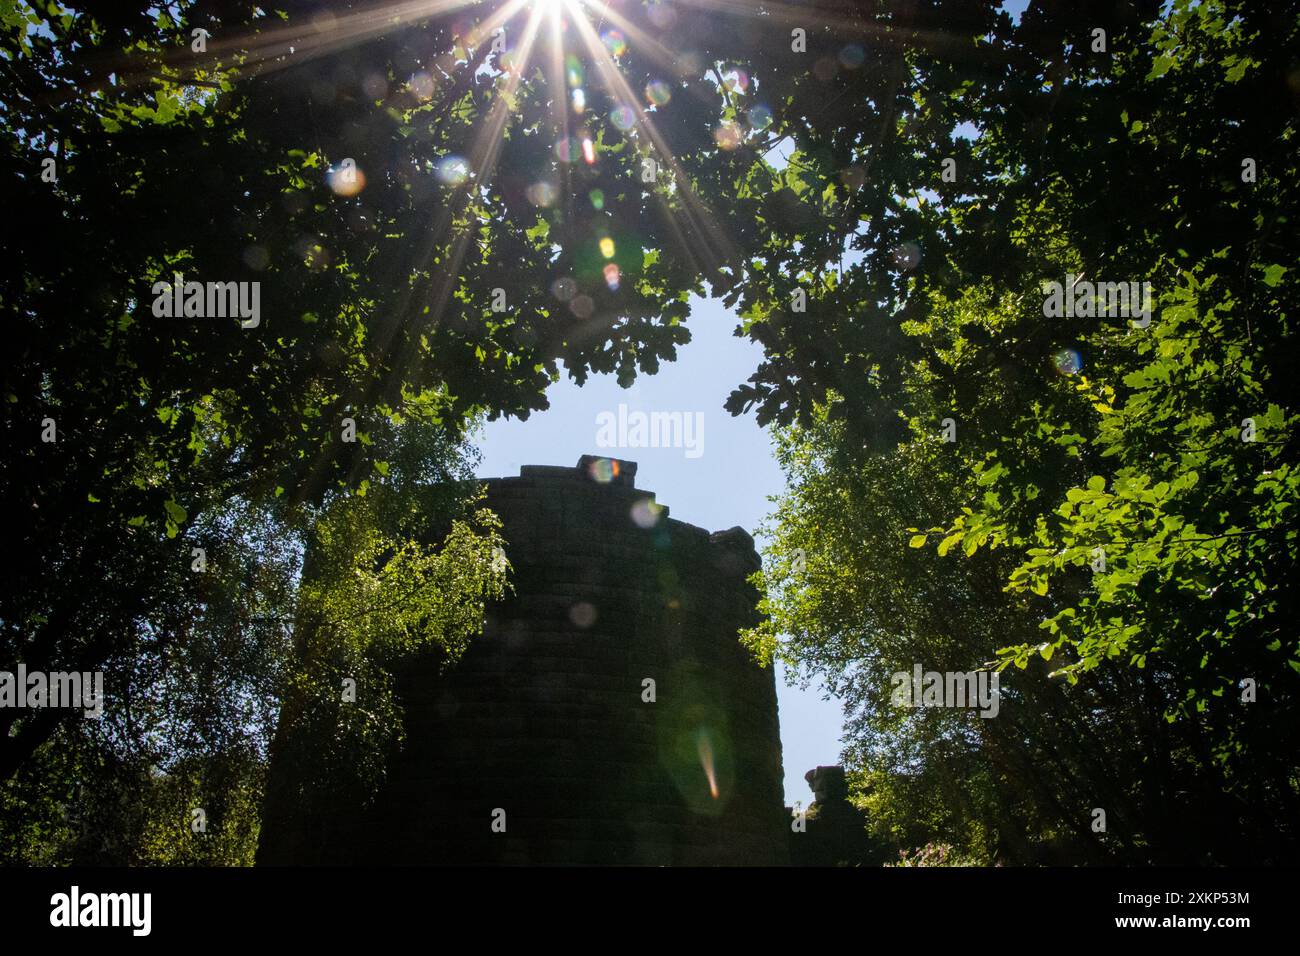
[603, 470]
[736, 81]
[1067, 362]
[852, 56]
[314, 255]
[661, 15]
[727, 136]
[573, 71]
[646, 513]
[760, 117]
[658, 93]
[689, 64]
[612, 276]
[567, 149]
[597, 197]
[564, 288]
[622, 117]
[907, 256]
[541, 194]
[346, 179]
[375, 86]
[451, 170]
[588, 150]
[705, 747]
[615, 42]
[579, 100]
[421, 86]
[607, 247]
[582, 614]
[257, 258]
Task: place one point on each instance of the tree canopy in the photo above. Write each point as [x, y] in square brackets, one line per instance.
[444, 207]
[1098, 500]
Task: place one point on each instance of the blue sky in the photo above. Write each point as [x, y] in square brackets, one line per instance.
[727, 485]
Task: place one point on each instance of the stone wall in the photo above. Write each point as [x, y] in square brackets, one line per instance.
[834, 832]
[546, 716]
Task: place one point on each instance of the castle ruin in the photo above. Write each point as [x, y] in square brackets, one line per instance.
[607, 715]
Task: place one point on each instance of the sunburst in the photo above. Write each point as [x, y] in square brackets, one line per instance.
[550, 21]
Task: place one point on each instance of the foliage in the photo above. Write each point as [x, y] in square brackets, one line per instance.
[293, 601]
[377, 306]
[917, 172]
[1133, 664]
[932, 854]
[377, 309]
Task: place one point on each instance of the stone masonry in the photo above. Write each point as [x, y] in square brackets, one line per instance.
[547, 724]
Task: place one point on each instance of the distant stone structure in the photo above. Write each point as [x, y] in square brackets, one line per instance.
[835, 831]
[608, 715]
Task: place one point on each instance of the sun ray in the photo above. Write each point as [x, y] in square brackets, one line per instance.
[691, 223]
[559, 99]
[440, 285]
[657, 52]
[701, 220]
[483, 158]
[262, 51]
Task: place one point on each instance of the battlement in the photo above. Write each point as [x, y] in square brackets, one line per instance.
[615, 479]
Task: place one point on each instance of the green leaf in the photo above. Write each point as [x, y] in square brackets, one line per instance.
[175, 512]
[1160, 66]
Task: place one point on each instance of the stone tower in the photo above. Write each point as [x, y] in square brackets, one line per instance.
[608, 714]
